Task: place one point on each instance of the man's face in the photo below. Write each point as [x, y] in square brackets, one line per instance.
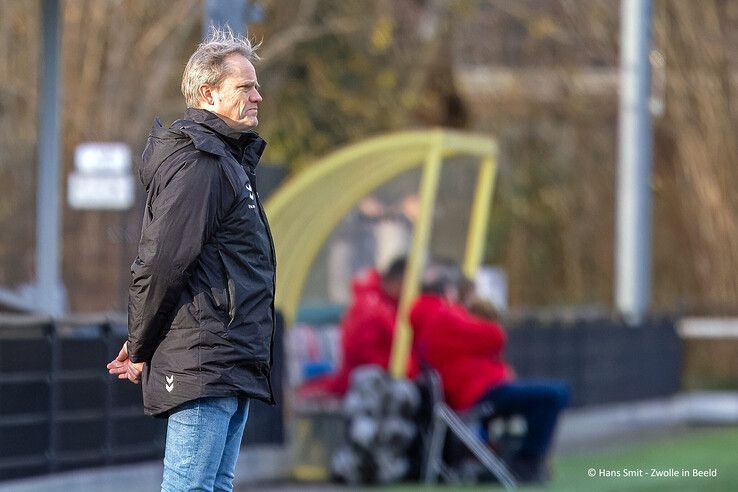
[237, 98]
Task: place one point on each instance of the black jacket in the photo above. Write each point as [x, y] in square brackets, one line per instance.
[201, 300]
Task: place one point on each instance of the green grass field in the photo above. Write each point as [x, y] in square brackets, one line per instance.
[702, 449]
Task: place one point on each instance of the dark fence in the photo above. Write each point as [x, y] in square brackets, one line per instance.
[602, 360]
[59, 408]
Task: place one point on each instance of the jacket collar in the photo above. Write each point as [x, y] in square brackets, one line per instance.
[214, 122]
[248, 144]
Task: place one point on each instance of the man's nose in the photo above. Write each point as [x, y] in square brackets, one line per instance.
[255, 96]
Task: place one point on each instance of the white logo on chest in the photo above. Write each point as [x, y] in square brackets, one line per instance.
[170, 383]
[251, 195]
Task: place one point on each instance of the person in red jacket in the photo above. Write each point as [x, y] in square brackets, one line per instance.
[367, 329]
[467, 353]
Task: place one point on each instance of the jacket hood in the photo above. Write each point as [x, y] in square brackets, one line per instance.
[207, 132]
[161, 143]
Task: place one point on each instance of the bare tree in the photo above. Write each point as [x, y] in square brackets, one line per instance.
[539, 75]
[698, 43]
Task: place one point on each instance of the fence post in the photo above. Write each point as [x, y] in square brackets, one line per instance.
[53, 337]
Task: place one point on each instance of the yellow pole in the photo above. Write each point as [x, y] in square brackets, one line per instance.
[476, 235]
[421, 234]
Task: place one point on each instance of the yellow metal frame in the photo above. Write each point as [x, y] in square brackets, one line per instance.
[304, 211]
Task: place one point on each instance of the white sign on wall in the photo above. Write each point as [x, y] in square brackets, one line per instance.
[102, 157]
[103, 192]
[102, 179]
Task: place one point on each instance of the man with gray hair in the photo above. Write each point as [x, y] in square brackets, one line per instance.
[201, 302]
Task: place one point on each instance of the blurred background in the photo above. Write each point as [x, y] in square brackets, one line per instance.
[542, 78]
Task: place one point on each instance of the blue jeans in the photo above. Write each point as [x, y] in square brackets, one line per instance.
[539, 402]
[203, 440]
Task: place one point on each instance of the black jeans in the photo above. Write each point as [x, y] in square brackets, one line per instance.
[539, 402]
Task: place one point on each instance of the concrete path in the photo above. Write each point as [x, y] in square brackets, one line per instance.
[255, 469]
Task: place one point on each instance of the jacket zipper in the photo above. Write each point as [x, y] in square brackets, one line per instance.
[263, 216]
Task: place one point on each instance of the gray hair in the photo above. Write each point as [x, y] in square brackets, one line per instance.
[440, 275]
[208, 65]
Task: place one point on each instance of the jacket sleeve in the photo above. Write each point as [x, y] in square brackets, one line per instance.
[469, 333]
[184, 214]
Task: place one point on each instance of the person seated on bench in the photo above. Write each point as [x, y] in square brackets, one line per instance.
[467, 353]
[367, 330]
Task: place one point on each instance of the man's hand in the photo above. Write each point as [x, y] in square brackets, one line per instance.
[124, 368]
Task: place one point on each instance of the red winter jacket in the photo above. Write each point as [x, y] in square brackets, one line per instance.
[367, 330]
[465, 350]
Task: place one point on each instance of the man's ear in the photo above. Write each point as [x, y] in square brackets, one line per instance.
[205, 91]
